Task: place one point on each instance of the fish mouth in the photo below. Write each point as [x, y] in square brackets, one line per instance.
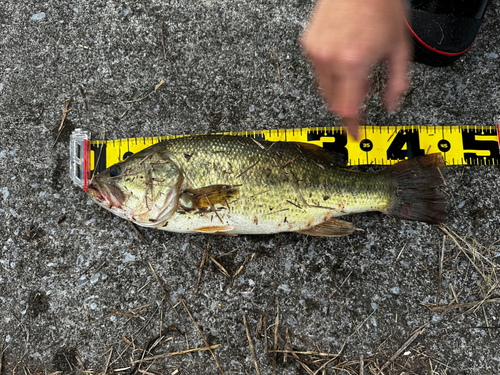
[107, 195]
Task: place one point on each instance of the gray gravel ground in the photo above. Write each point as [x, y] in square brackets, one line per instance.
[65, 264]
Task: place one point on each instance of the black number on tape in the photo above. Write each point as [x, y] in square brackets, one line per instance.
[444, 145]
[470, 142]
[366, 145]
[409, 138]
[337, 147]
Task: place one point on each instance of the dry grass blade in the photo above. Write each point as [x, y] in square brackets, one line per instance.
[440, 272]
[2, 351]
[187, 351]
[108, 361]
[166, 295]
[306, 352]
[304, 366]
[202, 265]
[481, 258]
[460, 305]
[61, 126]
[278, 66]
[130, 315]
[144, 97]
[454, 237]
[247, 259]
[138, 233]
[412, 338]
[258, 143]
[336, 289]
[201, 334]
[275, 347]
[265, 333]
[252, 350]
[223, 270]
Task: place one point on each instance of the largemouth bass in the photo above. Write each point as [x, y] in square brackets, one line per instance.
[237, 185]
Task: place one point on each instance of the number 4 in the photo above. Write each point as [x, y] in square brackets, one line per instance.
[409, 138]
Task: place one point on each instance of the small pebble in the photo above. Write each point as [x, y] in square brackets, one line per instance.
[38, 16]
[128, 258]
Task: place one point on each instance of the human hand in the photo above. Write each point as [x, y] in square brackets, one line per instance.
[344, 39]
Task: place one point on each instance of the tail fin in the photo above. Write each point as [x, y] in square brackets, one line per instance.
[417, 196]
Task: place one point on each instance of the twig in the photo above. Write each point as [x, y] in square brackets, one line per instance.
[486, 321]
[223, 270]
[251, 345]
[201, 334]
[138, 100]
[309, 352]
[448, 232]
[258, 143]
[404, 246]
[130, 315]
[138, 233]
[336, 289]
[1, 359]
[403, 347]
[278, 66]
[202, 265]
[265, 333]
[107, 362]
[361, 324]
[304, 366]
[322, 368]
[440, 274]
[99, 268]
[61, 127]
[83, 96]
[177, 353]
[187, 345]
[247, 259]
[275, 347]
[246, 170]
[165, 293]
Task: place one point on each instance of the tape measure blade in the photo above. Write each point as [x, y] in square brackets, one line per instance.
[378, 145]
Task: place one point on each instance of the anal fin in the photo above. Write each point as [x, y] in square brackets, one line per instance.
[330, 228]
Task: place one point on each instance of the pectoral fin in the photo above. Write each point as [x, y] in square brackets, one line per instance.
[207, 197]
[330, 228]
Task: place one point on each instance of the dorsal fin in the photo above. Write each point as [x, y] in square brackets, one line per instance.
[321, 155]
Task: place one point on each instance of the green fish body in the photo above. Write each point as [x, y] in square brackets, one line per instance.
[237, 185]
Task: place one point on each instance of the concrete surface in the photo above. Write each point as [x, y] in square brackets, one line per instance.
[65, 265]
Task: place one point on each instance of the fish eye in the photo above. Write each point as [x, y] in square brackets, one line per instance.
[115, 171]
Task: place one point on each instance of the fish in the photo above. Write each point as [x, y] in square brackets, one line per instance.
[234, 185]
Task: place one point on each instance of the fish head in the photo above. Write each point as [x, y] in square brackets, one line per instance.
[144, 188]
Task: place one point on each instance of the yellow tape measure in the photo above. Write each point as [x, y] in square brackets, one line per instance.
[377, 145]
